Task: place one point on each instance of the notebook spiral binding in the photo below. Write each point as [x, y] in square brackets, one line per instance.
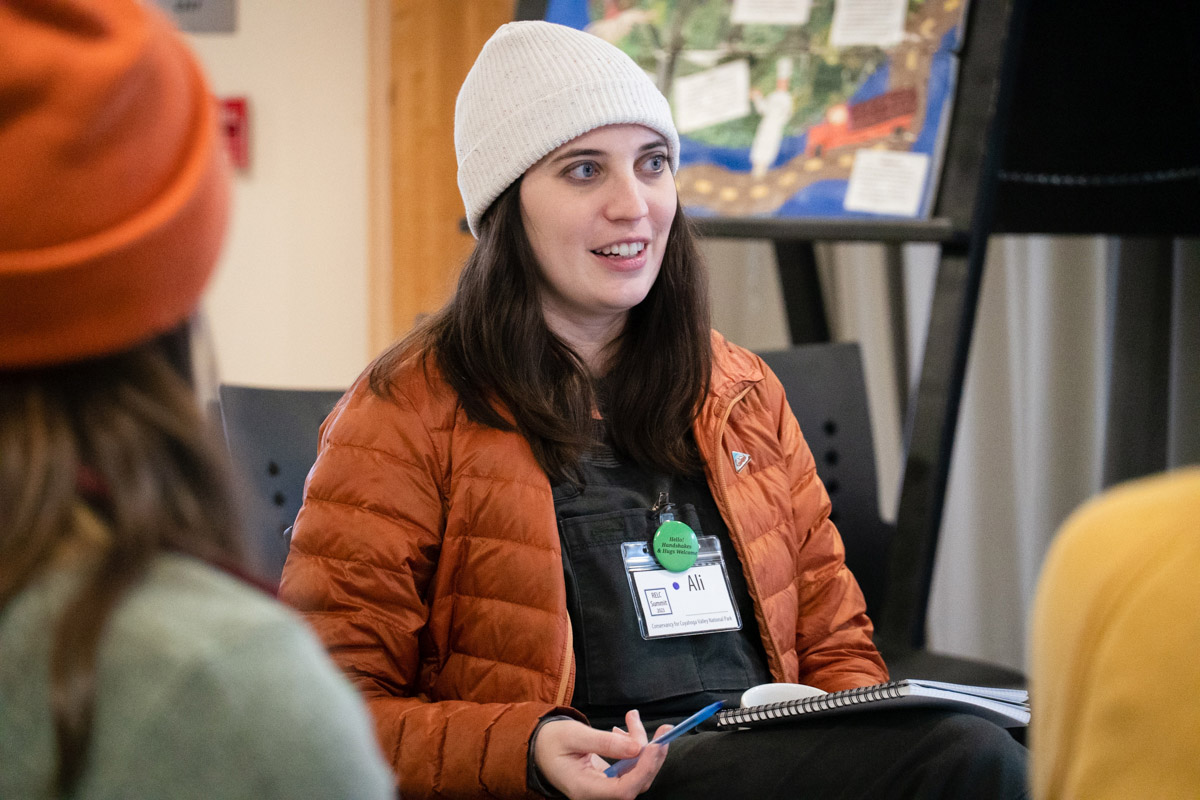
[790, 708]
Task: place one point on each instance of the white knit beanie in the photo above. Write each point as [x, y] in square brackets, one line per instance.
[535, 87]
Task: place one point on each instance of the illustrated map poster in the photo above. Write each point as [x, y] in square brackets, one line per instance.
[795, 108]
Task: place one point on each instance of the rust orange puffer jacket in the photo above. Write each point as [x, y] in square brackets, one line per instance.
[426, 557]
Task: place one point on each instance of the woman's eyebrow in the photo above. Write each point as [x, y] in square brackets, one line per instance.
[594, 153]
[576, 154]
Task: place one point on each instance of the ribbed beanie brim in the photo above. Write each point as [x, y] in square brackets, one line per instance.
[535, 87]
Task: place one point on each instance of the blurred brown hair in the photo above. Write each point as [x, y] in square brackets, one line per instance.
[117, 440]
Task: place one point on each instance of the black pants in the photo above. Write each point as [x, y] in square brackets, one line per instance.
[897, 754]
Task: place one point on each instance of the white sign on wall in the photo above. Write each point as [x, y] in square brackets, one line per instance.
[202, 16]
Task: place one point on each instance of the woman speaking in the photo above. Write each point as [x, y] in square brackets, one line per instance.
[563, 497]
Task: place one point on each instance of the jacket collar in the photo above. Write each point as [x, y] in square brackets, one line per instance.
[734, 369]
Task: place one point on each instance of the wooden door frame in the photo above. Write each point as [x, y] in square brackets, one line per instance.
[428, 48]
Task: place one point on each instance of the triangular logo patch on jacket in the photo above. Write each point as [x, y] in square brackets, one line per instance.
[740, 460]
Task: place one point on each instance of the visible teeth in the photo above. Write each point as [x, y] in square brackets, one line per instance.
[624, 250]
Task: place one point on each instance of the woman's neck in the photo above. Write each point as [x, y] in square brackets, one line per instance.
[590, 339]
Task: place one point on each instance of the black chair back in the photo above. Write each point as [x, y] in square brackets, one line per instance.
[827, 392]
[826, 389]
[272, 439]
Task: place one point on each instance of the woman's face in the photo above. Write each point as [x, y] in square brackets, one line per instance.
[597, 212]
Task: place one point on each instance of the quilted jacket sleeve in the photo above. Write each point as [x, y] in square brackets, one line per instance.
[833, 633]
[362, 564]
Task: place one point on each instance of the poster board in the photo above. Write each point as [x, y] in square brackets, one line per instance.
[795, 108]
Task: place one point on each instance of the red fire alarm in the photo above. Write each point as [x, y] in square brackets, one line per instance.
[235, 122]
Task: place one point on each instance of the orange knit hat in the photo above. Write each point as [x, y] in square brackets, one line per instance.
[113, 184]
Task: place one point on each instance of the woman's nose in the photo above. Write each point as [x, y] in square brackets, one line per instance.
[626, 198]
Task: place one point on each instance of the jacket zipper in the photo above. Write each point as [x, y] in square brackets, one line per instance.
[723, 499]
[722, 484]
[563, 696]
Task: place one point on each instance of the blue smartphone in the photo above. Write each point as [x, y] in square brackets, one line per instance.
[625, 764]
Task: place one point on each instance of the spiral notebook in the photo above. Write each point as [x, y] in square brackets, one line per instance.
[1008, 708]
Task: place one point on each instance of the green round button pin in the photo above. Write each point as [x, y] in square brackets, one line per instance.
[675, 546]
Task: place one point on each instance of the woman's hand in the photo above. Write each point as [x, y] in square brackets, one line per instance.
[568, 753]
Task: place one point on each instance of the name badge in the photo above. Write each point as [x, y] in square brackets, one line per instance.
[697, 600]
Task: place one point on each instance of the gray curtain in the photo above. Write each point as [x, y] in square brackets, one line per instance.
[1084, 371]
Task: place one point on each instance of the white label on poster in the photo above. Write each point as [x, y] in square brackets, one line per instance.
[713, 96]
[878, 23]
[770, 12]
[887, 182]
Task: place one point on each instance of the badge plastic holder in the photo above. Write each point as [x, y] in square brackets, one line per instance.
[638, 558]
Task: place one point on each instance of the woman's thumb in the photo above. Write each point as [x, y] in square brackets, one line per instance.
[612, 744]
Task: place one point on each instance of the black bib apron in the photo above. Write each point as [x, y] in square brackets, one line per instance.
[616, 669]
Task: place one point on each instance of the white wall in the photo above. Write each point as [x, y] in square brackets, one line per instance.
[289, 304]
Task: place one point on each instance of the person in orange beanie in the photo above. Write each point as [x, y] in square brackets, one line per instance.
[131, 665]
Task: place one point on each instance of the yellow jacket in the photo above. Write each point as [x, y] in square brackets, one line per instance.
[1115, 650]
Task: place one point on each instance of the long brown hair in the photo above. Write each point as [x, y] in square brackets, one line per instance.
[493, 346]
[123, 437]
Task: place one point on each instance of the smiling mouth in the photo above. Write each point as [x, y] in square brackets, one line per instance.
[624, 250]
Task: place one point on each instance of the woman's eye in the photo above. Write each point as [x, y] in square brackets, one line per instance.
[656, 163]
[583, 171]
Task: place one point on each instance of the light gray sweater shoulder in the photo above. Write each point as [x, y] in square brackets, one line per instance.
[207, 688]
